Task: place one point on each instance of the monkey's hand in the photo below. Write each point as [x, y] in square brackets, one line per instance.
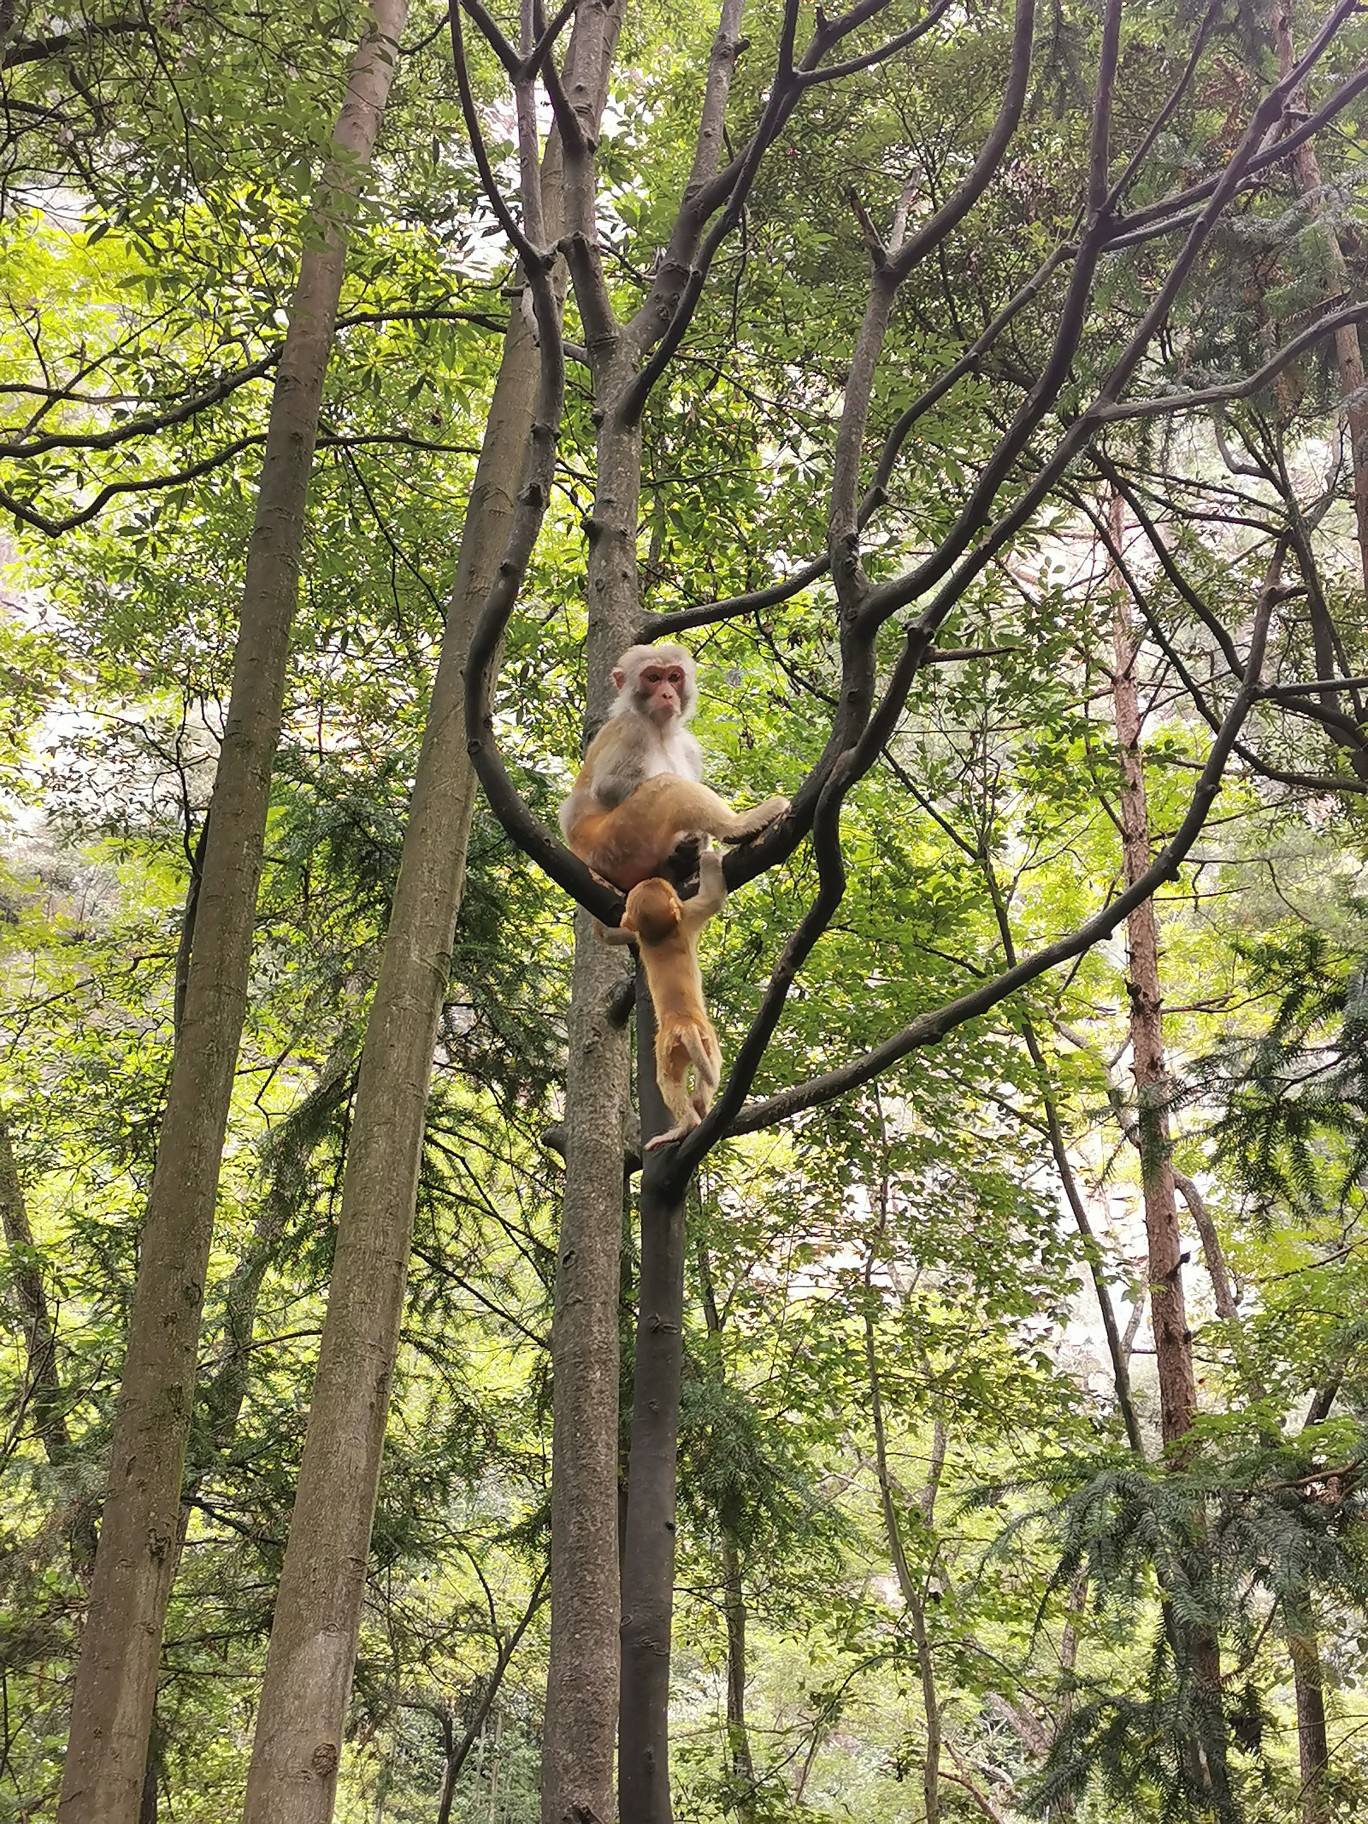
[613, 934]
[712, 889]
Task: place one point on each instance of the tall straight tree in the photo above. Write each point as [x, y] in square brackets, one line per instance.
[116, 1676]
[1194, 1643]
[297, 1745]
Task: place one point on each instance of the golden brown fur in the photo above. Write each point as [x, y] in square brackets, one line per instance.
[639, 792]
[665, 929]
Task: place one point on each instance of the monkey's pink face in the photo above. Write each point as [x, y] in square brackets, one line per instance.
[660, 692]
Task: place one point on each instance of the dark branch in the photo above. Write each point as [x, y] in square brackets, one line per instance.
[38, 50]
[928, 1028]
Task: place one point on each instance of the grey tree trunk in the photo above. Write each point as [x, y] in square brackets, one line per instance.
[116, 1675]
[46, 1398]
[648, 1555]
[1313, 1739]
[297, 1747]
[738, 1735]
[742, 1762]
[44, 1390]
[582, 1677]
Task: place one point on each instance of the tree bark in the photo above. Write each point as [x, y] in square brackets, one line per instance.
[116, 1675]
[1195, 1646]
[738, 1736]
[44, 1392]
[582, 1674]
[1172, 1341]
[741, 1762]
[1313, 1740]
[45, 1396]
[907, 1583]
[297, 1747]
[649, 1548]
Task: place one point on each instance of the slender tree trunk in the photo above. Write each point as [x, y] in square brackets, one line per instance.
[46, 1397]
[313, 1639]
[586, 1591]
[649, 1550]
[911, 1592]
[1313, 1740]
[741, 1762]
[582, 1676]
[1194, 1642]
[449, 1771]
[44, 1393]
[116, 1675]
[577, 1757]
[1172, 1341]
[738, 1736]
[493, 1811]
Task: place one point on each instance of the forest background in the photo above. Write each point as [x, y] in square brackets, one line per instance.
[977, 389]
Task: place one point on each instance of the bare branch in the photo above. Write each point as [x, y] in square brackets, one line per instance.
[833, 72]
[548, 34]
[530, 254]
[490, 31]
[843, 540]
[20, 448]
[928, 1028]
[771, 594]
[1179, 211]
[1236, 389]
[38, 50]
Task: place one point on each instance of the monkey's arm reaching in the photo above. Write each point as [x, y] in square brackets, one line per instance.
[613, 934]
[712, 891]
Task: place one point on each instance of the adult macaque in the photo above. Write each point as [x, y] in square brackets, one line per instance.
[639, 791]
[665, 930]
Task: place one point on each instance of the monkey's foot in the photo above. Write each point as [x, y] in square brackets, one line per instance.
[674, 1133]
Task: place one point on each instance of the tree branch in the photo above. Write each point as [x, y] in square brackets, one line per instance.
[930, 1027]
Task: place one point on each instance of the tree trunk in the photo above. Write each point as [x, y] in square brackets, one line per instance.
[116, 1675]
[1195, 1646]
[449, 1771]
[45, 1395]
[649, 1550]
[738, 1736]
[587, 1576]
[1172, 1341]
[586, 1567]
[313, 1639]
[44, 1392]
[741, 1763]
[582, 1674]
[1313, 1741]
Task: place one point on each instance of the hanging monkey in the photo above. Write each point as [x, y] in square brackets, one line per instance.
[665, 930]
[639, 791]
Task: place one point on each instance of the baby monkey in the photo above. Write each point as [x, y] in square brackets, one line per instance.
[665, 929]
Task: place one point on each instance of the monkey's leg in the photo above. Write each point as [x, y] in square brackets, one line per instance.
[750, 823]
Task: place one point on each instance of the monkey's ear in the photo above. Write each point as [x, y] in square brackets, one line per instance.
[619, 677]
